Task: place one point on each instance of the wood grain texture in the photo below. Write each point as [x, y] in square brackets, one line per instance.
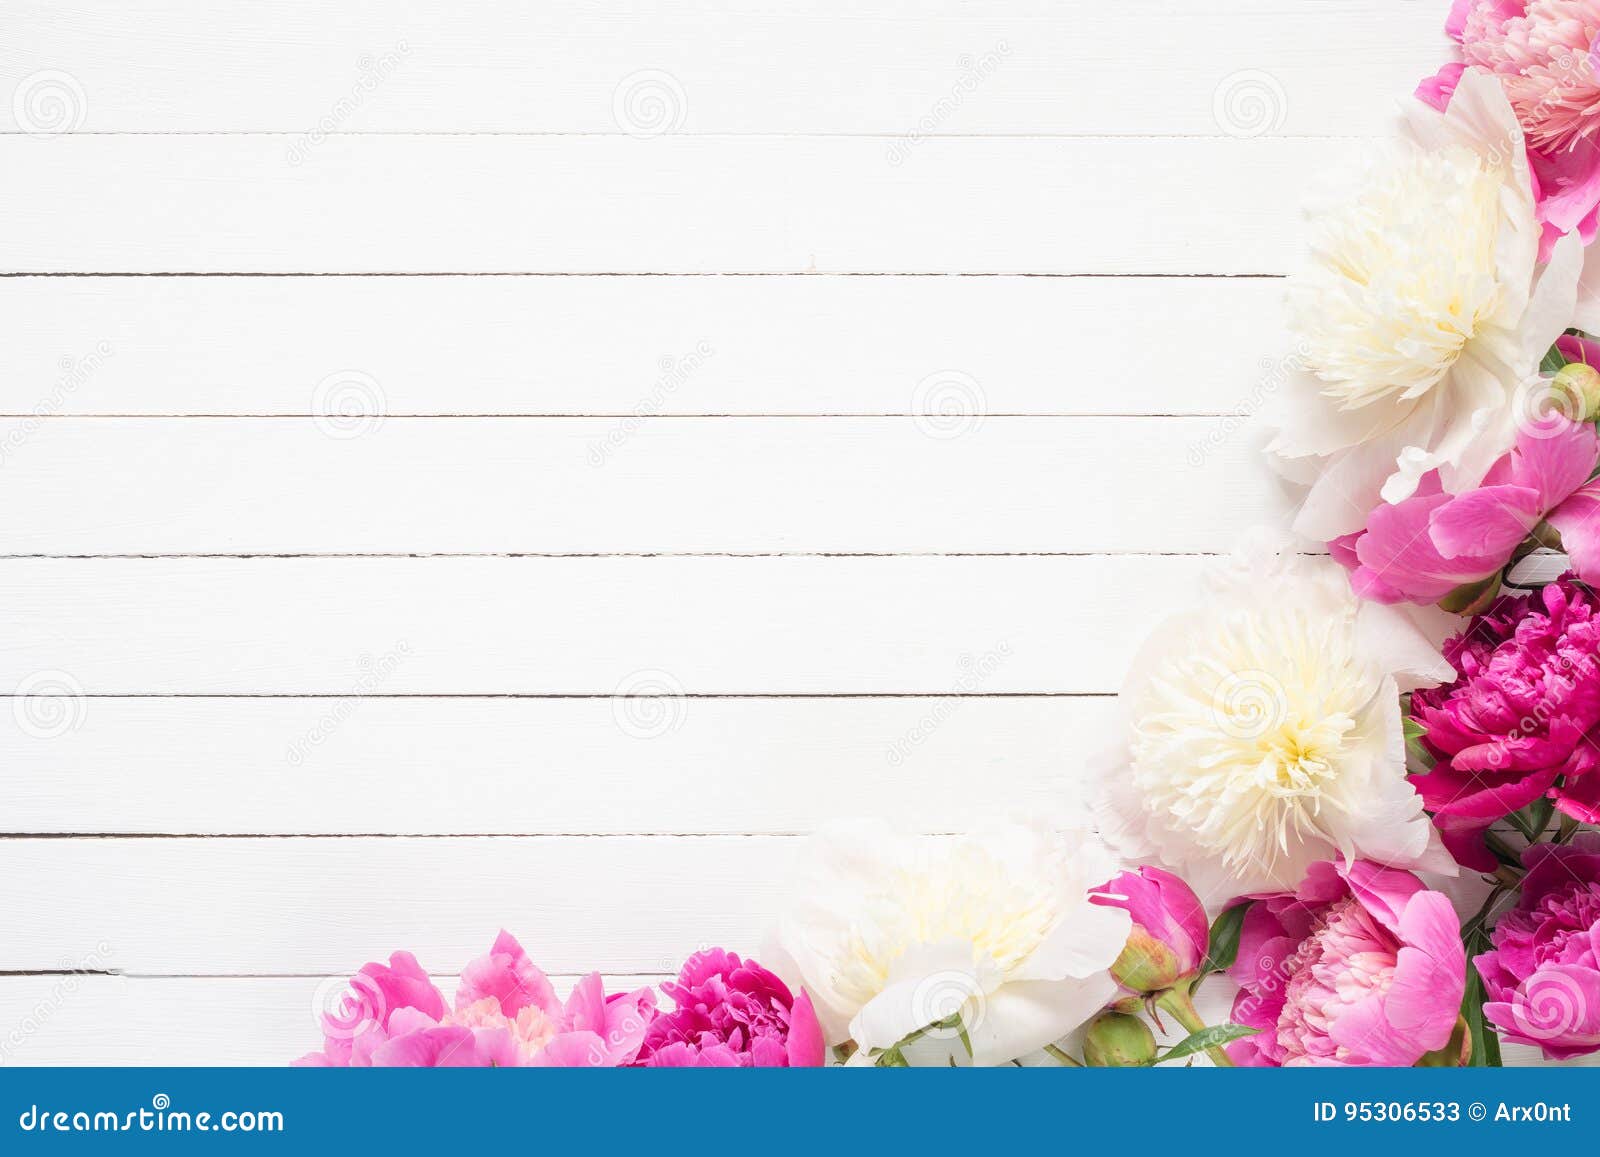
[611, 756]
[481, 204]
[187, 906]
[635, 346]
[538, 626]
[824, 66]
[944, 482]
[538, 766]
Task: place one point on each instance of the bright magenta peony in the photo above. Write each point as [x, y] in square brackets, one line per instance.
[1520, 721]
[732, 1013]
[1543, 974]
[506, 1015]
[1362, 965]
[1542, 52]
[1170, 931]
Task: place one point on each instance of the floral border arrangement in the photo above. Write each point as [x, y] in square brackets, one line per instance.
[1323, 768]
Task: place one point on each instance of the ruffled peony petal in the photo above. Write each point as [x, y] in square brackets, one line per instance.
[507, 976]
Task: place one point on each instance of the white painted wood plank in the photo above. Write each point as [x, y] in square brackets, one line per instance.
[960, 482]
[208, 906]
[184, 1021]
[533, 766]
[476, 204]
[705, 625]
[256, 1020]
[831, 67]
[638, 345]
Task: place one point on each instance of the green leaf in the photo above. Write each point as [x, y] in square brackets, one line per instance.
[1538, 815]
[1225, 931]
[1519, 820]
[1485, 1044]
[1412, 728]
[966, 1041]
[1207, 1038]
[892, 1058]
[1552, 362]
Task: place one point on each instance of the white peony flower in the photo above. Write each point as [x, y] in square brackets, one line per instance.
[892, 933]
[1261, 732]
[1422, 317]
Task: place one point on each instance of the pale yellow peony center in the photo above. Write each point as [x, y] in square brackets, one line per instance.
[1245, 739]
[963, 895]
[1404, 277]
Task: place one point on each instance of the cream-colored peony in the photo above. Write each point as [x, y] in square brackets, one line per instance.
[1422, 316]
[891, 933]
[1261, 731]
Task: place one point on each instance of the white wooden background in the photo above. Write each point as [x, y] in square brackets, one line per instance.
[854, 378]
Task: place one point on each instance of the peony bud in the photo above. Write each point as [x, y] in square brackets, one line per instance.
[1117, 1041]
[1170, 933]
[1581, 383]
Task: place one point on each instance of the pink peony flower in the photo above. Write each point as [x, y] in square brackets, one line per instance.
[1422, 548]
[506, 1014]
[1542, 52]
[1361, 966]
[732, 1013]
[1170, 932]
[1521, 719]
[1542, 976]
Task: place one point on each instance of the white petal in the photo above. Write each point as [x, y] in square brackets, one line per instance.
[1019, 1018]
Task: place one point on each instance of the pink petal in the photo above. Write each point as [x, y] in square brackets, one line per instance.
[1437, 90]
[508, 976]
[1485, 524]
[1555, 462]
[806, 1049]
[1578, 522]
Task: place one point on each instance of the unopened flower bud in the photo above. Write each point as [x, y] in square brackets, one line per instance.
[1580, 382]
[1170, 934]
[1116, 1040]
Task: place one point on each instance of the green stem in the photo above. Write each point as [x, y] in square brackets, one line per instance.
[1177, 1002]
[1521, 825]
[1063, 1056]
[1569, 828]
[1503, 850]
